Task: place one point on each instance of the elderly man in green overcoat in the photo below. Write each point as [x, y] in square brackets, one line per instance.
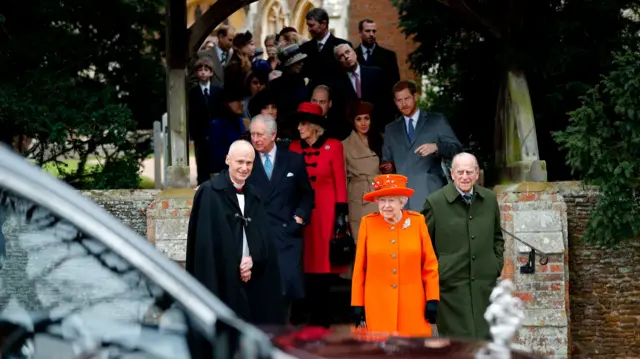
[464, 224]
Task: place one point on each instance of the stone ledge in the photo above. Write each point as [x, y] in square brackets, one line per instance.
[545, 318]
[549, 242]
[552, 342]
[537, 221]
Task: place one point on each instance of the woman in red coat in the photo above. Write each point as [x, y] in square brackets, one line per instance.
[325, 165]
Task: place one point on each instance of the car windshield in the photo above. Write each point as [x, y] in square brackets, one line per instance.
[55, 279]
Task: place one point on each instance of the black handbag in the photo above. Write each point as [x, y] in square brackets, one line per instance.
[342, 250]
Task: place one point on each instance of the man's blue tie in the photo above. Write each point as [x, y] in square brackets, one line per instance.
[410, 129]
[206, 96]
[268, 166]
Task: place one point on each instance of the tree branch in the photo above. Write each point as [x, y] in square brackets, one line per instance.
[463, 7]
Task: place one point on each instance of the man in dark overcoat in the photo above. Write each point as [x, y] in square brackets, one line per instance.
[282, 181]
[228, 246]
[464, 224]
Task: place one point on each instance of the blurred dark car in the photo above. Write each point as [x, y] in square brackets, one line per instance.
[77, 283]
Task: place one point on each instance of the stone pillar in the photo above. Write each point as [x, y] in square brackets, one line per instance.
[176, 59]
[537, 214]
[168, 222]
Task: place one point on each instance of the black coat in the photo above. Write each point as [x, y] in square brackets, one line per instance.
[386, 60]
[321, 66]
[286, 194]
[372, 80]
[289, 90]
[202, 111]
[214, 251]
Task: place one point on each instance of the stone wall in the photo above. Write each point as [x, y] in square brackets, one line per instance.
[605, 290]
[129, 206]
[536, 214]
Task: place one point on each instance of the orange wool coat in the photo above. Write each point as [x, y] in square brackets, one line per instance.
[395, 274]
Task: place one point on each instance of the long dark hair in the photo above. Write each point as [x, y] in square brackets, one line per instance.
[374, 137]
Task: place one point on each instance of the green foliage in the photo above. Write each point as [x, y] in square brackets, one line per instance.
[603, 145]
[563, 46]
[80, 78]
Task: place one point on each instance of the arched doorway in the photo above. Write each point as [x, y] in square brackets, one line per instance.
[275, 16]
[298, 18]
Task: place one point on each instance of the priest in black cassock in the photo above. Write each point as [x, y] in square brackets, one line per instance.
[228, 245]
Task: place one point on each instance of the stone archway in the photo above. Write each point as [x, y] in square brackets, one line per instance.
[298, 18]
[274, 15]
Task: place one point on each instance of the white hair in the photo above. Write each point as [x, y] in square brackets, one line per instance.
[268, 120]
[335, 49]
[240, 145]
[464, 156]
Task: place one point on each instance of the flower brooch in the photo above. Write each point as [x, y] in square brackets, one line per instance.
[406, 223]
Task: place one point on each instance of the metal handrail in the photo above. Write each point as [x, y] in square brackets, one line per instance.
[530, 267]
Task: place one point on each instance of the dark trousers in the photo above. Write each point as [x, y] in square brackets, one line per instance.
[203, 160]
[318, 299]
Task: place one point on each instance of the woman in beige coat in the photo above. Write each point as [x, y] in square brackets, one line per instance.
[362, 153]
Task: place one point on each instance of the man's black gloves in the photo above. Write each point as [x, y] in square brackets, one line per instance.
[342, 210]
[358, 316]
[431, 311]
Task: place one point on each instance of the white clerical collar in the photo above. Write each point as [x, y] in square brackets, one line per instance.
[236, 185]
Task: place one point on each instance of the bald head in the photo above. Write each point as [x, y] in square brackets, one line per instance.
[240, 147]
[464, 158]
[465, 171]
[240, 161]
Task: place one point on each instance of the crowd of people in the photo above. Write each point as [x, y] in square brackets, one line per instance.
[316, 163]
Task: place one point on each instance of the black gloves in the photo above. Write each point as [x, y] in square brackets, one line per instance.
[358, 316]
[342, 210]
[431, 311]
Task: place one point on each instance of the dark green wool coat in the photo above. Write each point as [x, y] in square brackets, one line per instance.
[468, 242]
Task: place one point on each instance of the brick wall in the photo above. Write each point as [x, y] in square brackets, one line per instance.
[536, 214]
[386, 17]
[605, 290]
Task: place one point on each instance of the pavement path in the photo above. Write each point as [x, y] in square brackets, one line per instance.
[148, 167]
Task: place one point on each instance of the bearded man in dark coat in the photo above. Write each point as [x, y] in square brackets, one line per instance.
[228, 245]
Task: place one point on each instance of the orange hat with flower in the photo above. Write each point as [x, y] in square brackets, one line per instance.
[389, 185]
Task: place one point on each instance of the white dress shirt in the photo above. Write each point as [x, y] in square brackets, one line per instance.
[245, 244]
[324, 40]
[413, 119]
[364, 51]
[272, 157]
[352, 78]
[206, 86]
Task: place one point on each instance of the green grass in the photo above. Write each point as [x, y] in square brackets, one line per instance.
[72, 164]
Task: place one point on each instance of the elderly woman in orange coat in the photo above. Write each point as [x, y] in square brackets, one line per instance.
[395, 287]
